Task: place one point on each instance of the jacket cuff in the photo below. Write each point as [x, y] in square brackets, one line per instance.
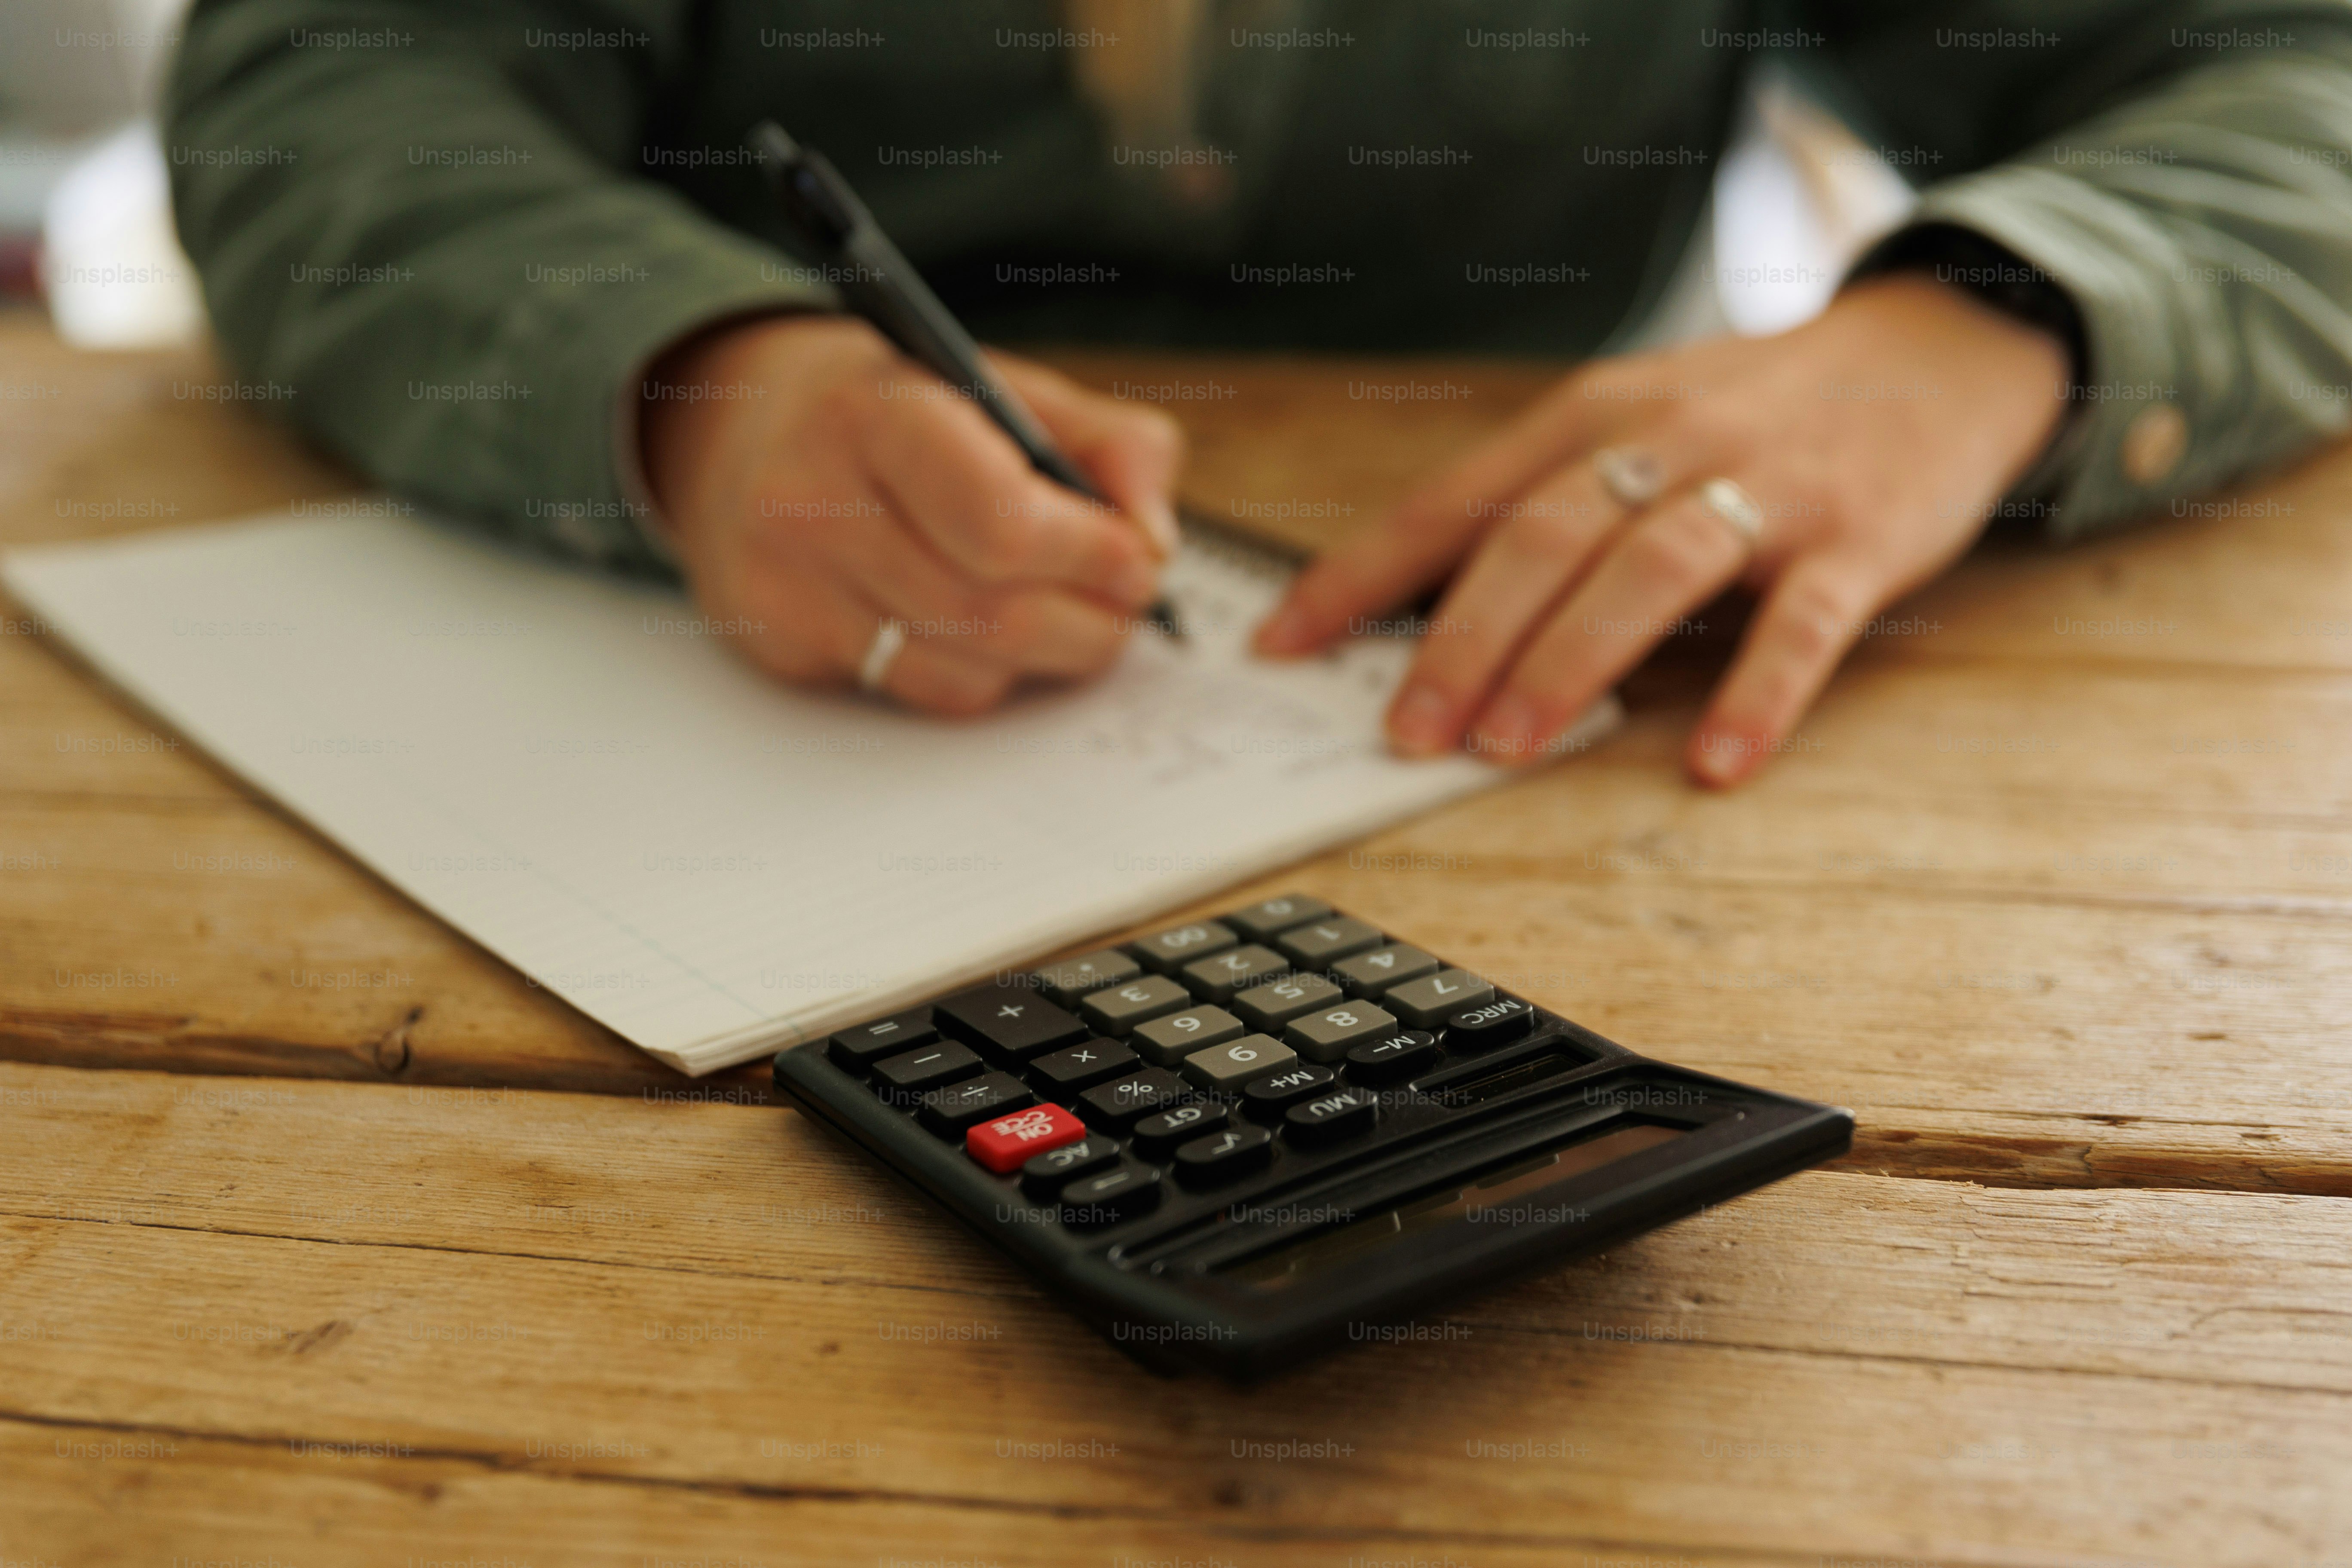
[2132, 440]
[588, 357]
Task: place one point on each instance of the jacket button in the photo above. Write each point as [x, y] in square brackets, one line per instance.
[2154, 444]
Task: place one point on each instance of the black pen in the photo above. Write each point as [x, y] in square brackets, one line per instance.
[882, 285]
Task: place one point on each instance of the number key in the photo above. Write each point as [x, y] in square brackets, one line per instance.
[1264, 919]
[1230, 1066]
[1326, 942]
[1122, 1007]
[1276, 1003]
[1426, 1004]
[1170, 951]
[1328, 1035]
[1369, 973]
[1219, 977]
[1164, 1042]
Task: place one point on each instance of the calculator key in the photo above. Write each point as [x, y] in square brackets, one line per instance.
[1427, 1004]
[904, 1079]
[1231, 1065]
[1119, 1008]
[1121, 1193]
[1328, 1035]
[1167, 1041]
[1262, 919]
[1475, 1028]
[1045, 1175]
[1156, 1134]
[1061, 1074]
[1170, 950]
[1006, 1142]
[948, 1111]
[1116, 1106]
[1074, 978]
[1324, 943]
[1007, 1021]
[1276, 1003]
[1328, 1118]
[856, 1050]
[1265, 1099]
[1369, 973]
[1236, 969]
[1223, 1156]
[1399, 1056]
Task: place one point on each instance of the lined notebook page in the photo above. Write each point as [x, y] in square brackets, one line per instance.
[564, 767]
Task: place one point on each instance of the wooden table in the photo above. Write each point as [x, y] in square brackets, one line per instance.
[437, 1269]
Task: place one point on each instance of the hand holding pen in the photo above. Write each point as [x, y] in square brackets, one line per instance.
[849, 516]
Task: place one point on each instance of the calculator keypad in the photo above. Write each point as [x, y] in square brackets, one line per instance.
[1287, 1020]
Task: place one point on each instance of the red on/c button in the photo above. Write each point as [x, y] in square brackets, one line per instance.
[1003, 1144]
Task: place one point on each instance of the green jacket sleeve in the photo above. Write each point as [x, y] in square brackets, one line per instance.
[2184, 172]
[420, 217]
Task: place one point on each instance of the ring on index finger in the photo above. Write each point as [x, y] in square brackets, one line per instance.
[1633, 477]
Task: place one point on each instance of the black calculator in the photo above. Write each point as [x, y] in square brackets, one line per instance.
[1238, 1142]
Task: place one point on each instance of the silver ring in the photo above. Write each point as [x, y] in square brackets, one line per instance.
[889, 637]
[1632, 476]
[1736, 507]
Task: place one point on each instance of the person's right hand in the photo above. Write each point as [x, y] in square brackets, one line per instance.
[815, 482]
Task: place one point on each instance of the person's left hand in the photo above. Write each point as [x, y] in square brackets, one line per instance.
[1874, 439]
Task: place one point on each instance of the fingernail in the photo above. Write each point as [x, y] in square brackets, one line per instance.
[1721, 758]
[1508, 729]
[1285, 631]
[1423, 721]
[1159, 522]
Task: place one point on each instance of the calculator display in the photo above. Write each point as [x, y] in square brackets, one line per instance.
[1502, 1197]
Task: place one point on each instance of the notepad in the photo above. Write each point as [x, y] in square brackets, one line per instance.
[575, 772]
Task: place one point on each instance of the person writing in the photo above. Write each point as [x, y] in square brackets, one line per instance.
[517, 258]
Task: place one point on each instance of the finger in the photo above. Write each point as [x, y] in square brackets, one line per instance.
[965, 487]
[1497, 604]
[1674, 557]
[1809, 620]
[1432, 529]
[805, 629]
[1132, 454]
[931, 678]
[1027, 630]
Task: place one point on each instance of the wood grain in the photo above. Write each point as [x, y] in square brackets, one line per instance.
[1843, 1363]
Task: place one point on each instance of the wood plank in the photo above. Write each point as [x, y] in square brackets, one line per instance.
[1843, 1364]
[203, 1500]
[758, 1193]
